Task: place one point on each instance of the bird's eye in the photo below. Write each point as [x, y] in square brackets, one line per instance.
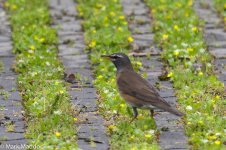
[115, 56]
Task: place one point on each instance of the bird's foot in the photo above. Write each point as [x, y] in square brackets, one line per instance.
[153, 114]
[134, 118]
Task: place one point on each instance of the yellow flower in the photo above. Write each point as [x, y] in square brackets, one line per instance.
[194, 29]
[200, 73]
[14, 7]
[176, 53]
[186, 14]
[148, 136]
[61, 92]
[224, 5]
[112, 13]
[217, 97]
[100, 77]
[165, 36]
[124, 23]
[58, 134]
[122, 17]
[92, 44]
[94, 31]
[56, 82]
[213, 137]
[145, 126]
[41, 40]
[178, 4]
[106, 24]
[138, 63]
[80, 13]
[132, 137]
[130, 39]
[190, 2]
[200, 122]
[190, 49]
[75, 119]
[35, 37]
[168, 17]
[189, 123]
[32, 47]
[122, 105]
[140, 117]
[153, 11]
[111, 127]
[170, 74]
[99, 5]
[119, 28]
[217, 142]
[176, 27]
[105, 19]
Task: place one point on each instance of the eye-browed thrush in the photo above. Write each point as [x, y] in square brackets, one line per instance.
[136, 90]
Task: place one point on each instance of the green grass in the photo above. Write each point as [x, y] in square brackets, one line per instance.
[221, 8]
[1, 66]
[106, 32]
[45, 99]
[179, 32]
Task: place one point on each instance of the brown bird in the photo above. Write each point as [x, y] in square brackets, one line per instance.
[136, 90]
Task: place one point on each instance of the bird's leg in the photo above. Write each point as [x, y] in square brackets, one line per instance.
[152, 113]
[135, 113]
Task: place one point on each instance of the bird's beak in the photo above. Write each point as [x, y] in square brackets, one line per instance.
[106, 56]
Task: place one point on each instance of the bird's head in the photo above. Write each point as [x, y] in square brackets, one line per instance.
[120, 60]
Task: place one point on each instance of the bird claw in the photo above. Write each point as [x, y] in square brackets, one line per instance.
[133, 119]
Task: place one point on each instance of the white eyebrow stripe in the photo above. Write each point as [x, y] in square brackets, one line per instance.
[115, 55]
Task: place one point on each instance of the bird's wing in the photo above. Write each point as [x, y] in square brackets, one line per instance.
[132, 84]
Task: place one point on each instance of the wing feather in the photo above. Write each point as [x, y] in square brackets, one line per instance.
[131, 83]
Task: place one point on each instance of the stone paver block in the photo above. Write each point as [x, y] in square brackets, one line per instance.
[219, 53]
[76, 61]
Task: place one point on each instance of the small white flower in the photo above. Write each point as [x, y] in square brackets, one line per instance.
[20, 60]
[204, 140]
[30, 51]
[58, 112]
[184, 44]
[106, 91]
[152, 132]
[209, 65]
[189, 108]
[202, 50]
[47, 63]
[217, 134]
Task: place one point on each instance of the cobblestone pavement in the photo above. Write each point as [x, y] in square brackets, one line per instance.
[215, 36]
[172, 134]
[91, 131]
[12, 124]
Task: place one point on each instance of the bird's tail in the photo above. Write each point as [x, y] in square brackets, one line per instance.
[175, 111]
